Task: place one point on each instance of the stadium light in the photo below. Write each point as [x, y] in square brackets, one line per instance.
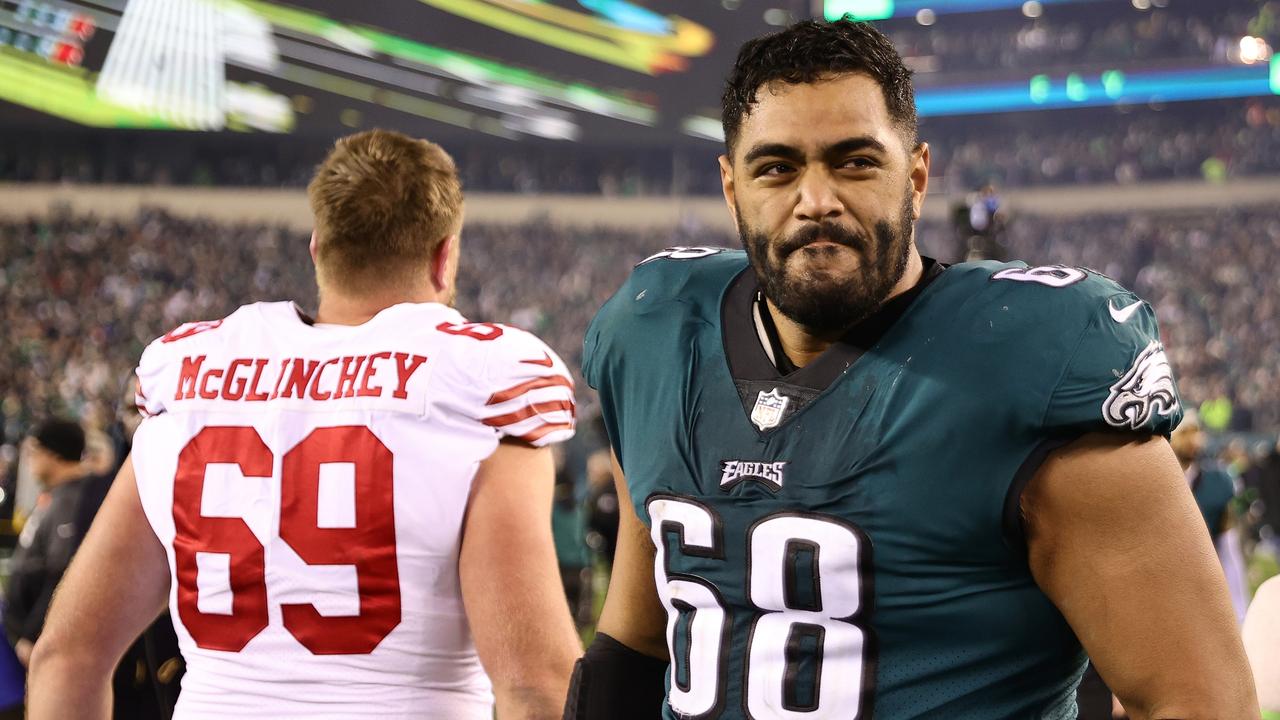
[833, 10]
[1254, 50]
[1113, 84]
[1077, 90]
[1040, 86]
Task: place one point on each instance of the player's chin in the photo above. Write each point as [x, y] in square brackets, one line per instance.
[819, 287]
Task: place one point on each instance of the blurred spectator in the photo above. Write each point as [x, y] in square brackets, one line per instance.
[569, 534]
[54, 450]
[1263, 479]
[980, 224]
[602, 507]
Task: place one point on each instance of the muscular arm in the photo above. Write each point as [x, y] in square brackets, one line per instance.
[115, 587]
[1116, 542]
[511, 584]
[632, 613]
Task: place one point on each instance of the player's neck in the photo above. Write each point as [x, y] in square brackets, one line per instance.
[343, 309]
[803, 345]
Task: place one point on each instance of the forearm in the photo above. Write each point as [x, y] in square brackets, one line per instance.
[539, 699]
[62, 685]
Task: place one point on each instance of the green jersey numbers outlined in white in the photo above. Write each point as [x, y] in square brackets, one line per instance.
[808, 587]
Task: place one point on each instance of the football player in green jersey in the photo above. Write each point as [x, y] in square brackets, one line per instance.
[863, 484]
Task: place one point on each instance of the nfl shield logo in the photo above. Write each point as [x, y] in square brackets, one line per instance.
[769, 409]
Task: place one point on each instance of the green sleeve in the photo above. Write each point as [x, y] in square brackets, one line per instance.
[1116, 377]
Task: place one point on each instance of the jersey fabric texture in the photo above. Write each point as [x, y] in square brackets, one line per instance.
[309, 485]
[852, 547]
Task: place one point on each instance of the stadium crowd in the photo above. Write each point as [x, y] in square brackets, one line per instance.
[1214, 140]
[1060, 39]
[1240, 140]
[80, 296]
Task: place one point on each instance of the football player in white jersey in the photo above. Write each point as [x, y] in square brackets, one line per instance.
[348, 516]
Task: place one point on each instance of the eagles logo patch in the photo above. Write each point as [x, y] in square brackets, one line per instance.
[769, 409]
[1146, 389]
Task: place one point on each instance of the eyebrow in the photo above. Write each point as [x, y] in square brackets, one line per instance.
[790, 152]
[782, 150]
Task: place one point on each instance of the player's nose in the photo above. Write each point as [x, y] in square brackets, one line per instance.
[816, 198]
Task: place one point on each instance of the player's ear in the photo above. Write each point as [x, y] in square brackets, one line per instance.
[726, 184]
[919, 178]
[312, 247]
[444, 264]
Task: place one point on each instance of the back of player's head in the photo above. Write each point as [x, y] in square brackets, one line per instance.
[810, 51]
[383, 203]
[60, 437]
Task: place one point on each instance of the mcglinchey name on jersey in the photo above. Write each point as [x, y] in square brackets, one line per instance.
[380, 375]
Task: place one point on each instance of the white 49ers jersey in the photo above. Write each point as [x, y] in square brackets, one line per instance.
[309, 485]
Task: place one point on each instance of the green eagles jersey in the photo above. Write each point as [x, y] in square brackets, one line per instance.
[845, 541]
[1213, 488]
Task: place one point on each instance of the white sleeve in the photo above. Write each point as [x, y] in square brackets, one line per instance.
[147, 394]
[530, 395]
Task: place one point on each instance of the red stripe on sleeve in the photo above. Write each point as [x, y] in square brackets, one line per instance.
[542, 382]
[527, 412]
[543, 431]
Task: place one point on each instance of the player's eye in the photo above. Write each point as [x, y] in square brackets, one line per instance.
[774, 170]
[859, 163]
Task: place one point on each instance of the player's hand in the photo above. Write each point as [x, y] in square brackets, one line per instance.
[1117, 710]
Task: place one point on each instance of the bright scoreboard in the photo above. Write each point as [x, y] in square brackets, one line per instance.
[570, 70]
[560, 69]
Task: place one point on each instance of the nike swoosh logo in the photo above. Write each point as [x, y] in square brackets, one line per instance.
[1123, 314]
[546, 361]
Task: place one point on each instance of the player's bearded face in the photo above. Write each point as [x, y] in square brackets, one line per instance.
[795, 275]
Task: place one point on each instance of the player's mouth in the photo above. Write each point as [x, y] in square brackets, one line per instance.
[823, 244]
[820, 240]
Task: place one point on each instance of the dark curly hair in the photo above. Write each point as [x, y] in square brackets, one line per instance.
[812, 50]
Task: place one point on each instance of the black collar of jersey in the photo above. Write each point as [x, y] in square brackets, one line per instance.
[748, 360]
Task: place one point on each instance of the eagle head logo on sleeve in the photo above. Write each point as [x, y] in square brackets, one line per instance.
[1145, 389]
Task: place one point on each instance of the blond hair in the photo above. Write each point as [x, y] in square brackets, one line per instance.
[383, 202]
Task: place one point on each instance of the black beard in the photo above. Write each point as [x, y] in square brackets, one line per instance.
[824, 304]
